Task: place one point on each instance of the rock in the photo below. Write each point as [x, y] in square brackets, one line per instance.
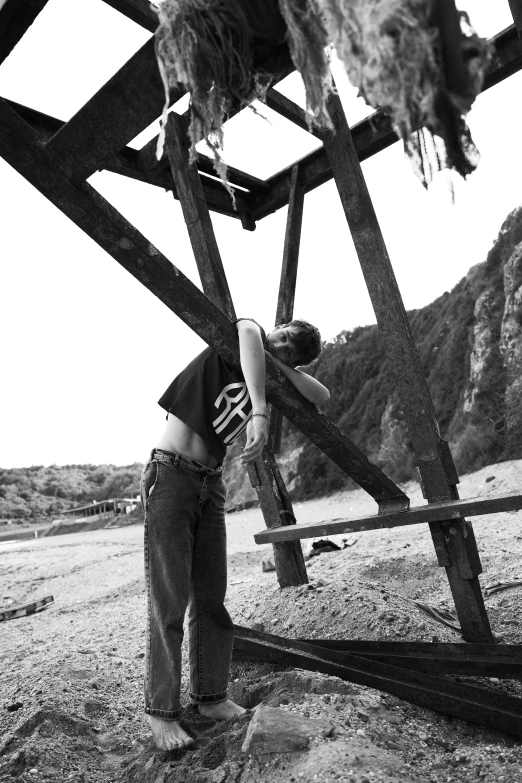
[363, 716]
[267, 564]
[275, 731]
[258, 627]
[423, 736]
[361, 733]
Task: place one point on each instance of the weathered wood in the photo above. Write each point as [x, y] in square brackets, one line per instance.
[278, 102]
[449, 510]
[286, 295]
[16, 16]
[277, 508]
[516, 12]
[456, 549]
[476, 660]
[197, 218]
[264, 473]
[124, 163]
[21, 147]
[489, 707]
[372, 134]
[147, 162]
[121, 109]
[139, 11]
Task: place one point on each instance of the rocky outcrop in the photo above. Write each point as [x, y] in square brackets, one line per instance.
[483, 353]
[511, 348]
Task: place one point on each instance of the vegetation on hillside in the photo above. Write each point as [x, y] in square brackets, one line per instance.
[41, 492]
[364, 403]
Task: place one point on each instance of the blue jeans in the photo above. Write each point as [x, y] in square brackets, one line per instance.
[185, 565]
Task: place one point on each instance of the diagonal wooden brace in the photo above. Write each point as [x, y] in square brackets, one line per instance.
[264, 474]
[23, 149]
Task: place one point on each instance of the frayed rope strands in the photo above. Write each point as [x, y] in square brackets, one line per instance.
[394, 52]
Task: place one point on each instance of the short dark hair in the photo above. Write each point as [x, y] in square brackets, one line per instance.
[307, 341]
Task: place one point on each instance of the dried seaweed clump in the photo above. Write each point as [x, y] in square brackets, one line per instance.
[397, 56]
[398, 53]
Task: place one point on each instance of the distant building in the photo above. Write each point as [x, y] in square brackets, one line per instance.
[104, 509]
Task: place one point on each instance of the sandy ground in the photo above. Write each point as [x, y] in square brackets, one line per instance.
[70, 702]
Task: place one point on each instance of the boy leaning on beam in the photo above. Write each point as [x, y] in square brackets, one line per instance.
[208, 406]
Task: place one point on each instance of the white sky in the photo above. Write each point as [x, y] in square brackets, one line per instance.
[87, 350]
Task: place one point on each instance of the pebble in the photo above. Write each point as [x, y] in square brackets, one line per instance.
[494, 680]
[361, 732]
[422, 736]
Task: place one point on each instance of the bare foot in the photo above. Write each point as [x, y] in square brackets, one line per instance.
[168, 734]
[223, 710]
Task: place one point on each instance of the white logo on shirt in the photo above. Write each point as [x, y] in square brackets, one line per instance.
[234, 406]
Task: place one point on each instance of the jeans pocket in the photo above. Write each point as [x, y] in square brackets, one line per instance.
[149, 479]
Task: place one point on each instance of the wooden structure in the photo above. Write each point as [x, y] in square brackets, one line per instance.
[57, 158]
[104, 509]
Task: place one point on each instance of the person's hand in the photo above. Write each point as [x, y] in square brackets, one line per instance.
[257, 436]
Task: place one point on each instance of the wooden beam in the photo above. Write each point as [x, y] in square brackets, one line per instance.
[446, 511]
[286, 295]
[277, 509]
[21, 147]
[139, 11]
[264, 474]
[279, 103]
[124, 163]
[516, 12]
[197, 218]
[119, 111]
[370, 135]
[457, 553]
[16, 16]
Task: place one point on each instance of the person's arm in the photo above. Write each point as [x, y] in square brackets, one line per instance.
[309, 387]
[252, 359]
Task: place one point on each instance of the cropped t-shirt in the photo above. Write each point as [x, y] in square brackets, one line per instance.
[211, 397]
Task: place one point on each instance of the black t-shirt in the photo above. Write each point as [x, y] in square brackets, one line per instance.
[211, 397]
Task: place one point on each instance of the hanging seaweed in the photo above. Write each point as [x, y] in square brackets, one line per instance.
[224, 54]
[419, 60]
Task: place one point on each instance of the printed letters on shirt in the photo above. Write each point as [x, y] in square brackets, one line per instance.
[234, 406]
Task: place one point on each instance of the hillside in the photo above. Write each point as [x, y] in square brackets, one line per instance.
[469, 341]
[39, 493]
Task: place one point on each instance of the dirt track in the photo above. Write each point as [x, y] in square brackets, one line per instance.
[70, 707]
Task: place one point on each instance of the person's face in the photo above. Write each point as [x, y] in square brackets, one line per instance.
[281, 344]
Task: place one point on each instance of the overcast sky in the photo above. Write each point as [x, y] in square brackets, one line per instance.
[87, 350]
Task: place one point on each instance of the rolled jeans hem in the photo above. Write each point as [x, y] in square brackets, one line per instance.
[163, 714]
[213, 698]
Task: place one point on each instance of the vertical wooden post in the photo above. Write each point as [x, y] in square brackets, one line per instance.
[516, 12]
[454, 542]
[277, 506]
[286, 296]
[290, 566]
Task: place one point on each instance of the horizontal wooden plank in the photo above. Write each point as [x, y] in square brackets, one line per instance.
[372, 134]
[434, 512]
[16, 16]
[22, 149]
[140, 11]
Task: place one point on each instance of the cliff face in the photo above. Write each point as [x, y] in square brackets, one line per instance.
[470, 345]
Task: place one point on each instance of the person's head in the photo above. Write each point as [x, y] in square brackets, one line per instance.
[295, 343]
